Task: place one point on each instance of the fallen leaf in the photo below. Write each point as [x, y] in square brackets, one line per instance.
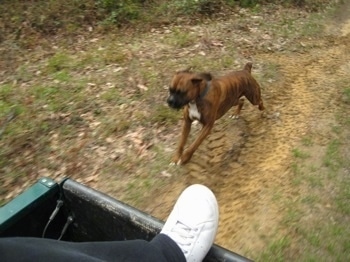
[142, 87]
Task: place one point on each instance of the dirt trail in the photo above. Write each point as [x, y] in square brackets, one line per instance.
[247, 161]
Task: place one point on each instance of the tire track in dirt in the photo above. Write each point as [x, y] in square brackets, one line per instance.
[247, 161]
[310, 98]
[247, 207]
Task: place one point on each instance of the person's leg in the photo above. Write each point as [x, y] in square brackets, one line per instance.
[168, 247]
[20, 249]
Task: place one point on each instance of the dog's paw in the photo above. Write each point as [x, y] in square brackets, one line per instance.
[270, 115]
[178, 163]
[176, 160]
[186, 156]
[234, 116]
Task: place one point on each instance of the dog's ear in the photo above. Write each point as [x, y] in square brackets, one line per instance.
[248, 67]
[206, 76]
[196, 80]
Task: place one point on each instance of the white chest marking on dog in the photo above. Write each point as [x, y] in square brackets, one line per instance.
[193, 111]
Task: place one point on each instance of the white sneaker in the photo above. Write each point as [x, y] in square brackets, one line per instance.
[193, 222]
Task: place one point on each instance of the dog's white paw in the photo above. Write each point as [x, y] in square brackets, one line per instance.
[234, 116]
[178, 163]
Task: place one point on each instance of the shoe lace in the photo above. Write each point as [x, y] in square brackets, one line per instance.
[183, 236]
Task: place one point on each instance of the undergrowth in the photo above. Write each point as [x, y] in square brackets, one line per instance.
[22, 18]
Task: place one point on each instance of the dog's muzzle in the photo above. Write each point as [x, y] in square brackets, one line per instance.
[175, 102]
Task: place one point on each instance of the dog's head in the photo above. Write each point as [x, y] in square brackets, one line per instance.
[185, 87]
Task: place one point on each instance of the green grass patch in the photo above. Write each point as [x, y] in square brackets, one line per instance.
[112, 55]
[297, 153]
[321, 237]
[6, 99]
[227, 62]
[62, 76]
[346, 95]
[270, 72]
[150, 78]
[297, 172]
[179, 38]
[58, 62]
[314, 180]
[23, 73]
[51, 98]
[293, 214]
[343, 198]
[163, 114]
[310, 200]
[276, 250]
[6, 91]
[307, 141]
[312, 27]
[113, 125]
[112, 96]
[332, 159]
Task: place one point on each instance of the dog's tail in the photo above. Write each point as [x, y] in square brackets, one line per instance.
[248, 67]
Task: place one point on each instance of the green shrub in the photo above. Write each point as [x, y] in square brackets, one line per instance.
[206, 7]
[119, 11]
[21, 19]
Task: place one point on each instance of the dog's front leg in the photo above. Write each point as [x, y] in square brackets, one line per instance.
[186, 156]
[186, 128]
[239, 108]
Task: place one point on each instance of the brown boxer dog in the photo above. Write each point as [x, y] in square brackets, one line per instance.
[206, 99]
